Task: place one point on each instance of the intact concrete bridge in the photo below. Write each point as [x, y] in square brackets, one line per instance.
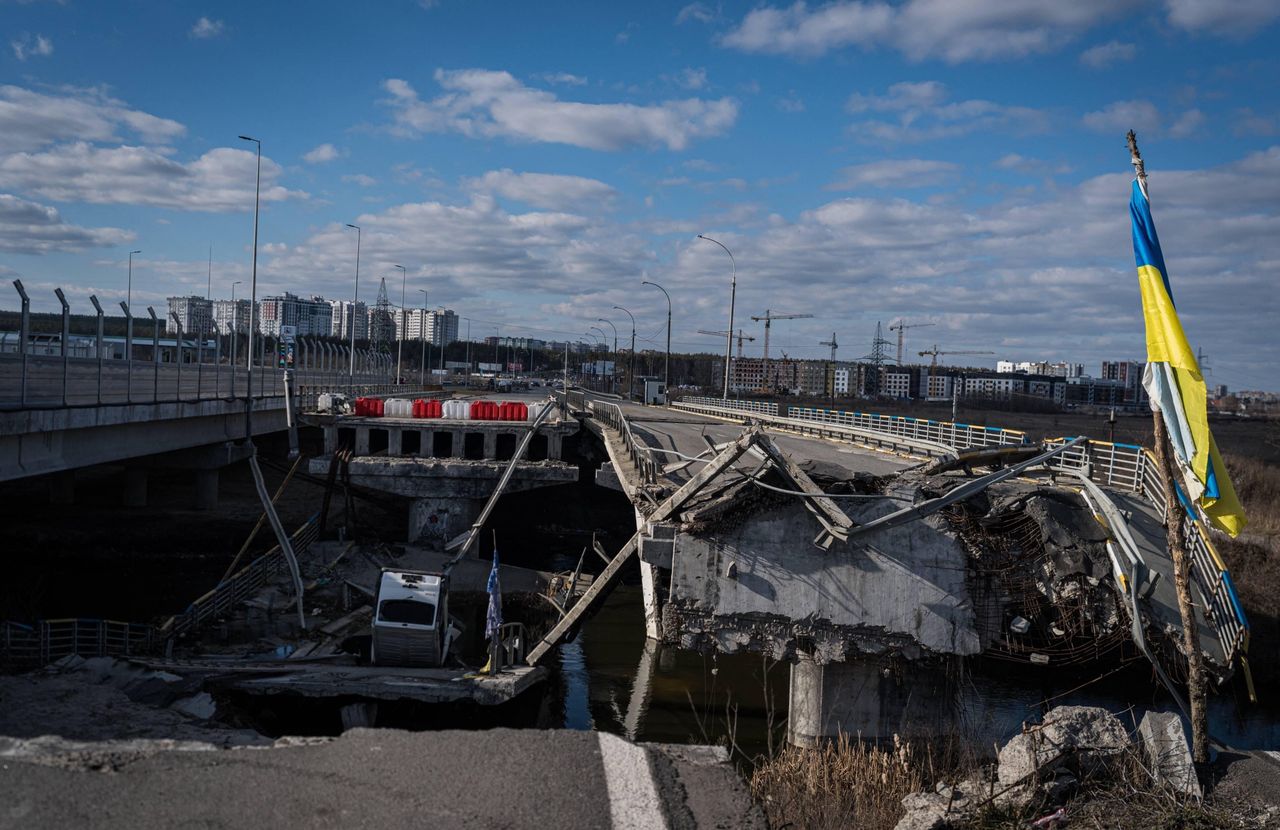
[58, 416]
[1055, 557]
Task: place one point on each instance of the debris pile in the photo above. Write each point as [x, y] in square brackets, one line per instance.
[1039, 769]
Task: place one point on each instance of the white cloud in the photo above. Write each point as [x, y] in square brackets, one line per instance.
[1122, 116]
[205, 28]
[1106, 54]
[1187, 124]
[545, 190]
[919, 111]
[489, 104]
[220, 180]
[695, 11]
[565, 78]
[791, 103]
[1234, 18]
[26, 46]
[922, 29]
[360, 179]
[691, 78]
[31, 228]
[31, 119]
[321, 154]
[897, 173]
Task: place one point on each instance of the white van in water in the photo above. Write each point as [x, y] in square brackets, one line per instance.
[411, 619]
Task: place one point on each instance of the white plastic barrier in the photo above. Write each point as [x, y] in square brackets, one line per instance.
[535, 410]
[455, 410]
[398, 408]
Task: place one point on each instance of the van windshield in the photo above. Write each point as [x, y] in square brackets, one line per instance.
[410, 611]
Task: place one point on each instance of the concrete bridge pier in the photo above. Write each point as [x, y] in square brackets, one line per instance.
[204, 463]
[868, 696]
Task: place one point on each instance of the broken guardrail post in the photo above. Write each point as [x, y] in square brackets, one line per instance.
[155, 355]
[128, 352]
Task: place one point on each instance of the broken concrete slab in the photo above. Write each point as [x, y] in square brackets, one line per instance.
[1081, 740]
[1164, 741]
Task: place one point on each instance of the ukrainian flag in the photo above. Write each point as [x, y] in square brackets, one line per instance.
[1174, 382]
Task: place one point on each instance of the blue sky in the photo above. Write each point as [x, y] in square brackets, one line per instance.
[944, 161]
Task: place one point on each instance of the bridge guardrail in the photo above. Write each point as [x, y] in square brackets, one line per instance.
[638, 451]
[49, 640]
[239, 586]
[1134, 469]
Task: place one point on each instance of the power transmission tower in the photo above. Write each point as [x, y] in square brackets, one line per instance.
[879, 356]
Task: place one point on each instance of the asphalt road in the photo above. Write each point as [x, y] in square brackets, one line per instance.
[385, 779]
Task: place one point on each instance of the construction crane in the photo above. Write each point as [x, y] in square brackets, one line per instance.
[768, 318]
[833, 344]
[900, 327]
[933, 364]
[740, 337]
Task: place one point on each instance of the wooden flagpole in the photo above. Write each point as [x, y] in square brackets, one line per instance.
[1177, 543]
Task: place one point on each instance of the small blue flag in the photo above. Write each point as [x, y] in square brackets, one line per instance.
[493, 620]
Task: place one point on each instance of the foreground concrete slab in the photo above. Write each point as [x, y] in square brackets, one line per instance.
[377, 778]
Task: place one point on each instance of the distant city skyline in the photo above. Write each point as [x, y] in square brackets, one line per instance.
[533, 164]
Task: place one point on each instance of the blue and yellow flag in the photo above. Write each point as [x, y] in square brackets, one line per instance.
[1174, 382]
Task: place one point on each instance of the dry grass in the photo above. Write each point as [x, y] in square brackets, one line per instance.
[844, 783]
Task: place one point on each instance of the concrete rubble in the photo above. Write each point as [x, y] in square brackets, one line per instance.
[1164, 741]
[1037, 769]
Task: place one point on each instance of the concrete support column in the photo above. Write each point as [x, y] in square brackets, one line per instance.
[206, 489]
[490, 444]
[62, 488]
[362, 441]
[426, 447]
[135, 487]
[330, 439]
[441, 519]
[459, 444]
[875, 697]
[649, 576]
[395, 440]
[555, 442]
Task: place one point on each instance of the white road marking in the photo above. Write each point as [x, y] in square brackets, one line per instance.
[633, 796]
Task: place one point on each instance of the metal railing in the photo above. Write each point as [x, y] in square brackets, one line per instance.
[1134, 469]
[241, 585]
[759, 407]
[959, 436]
[49, 640]
[611, 414]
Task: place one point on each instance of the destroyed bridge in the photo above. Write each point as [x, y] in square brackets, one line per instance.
[868, 551]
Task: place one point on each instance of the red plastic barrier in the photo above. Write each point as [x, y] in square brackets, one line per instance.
[379, 406]
[477, 410]
[522, 412]
[435, 409]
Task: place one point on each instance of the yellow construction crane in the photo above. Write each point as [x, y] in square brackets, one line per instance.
[903, 325]
[740, 337]
[833, 344]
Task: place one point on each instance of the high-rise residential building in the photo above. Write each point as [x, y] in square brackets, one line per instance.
[310, 317]
[231, 317]
[346, 314]
[194, 313]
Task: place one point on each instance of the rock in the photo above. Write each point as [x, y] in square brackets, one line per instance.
[198, 707]
[925, 811]
[1164, 741]
[1082, 738]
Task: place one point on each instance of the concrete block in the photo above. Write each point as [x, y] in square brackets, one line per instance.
[659, 552]
[1165, 743]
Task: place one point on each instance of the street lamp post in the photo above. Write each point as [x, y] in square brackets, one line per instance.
[733, 296]
[615, 347]
[404, 324]
[253, 297]
[422, 335]
[129, 301]
[351, 363]
[631, 373]
[235, 331]
[666, 365]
